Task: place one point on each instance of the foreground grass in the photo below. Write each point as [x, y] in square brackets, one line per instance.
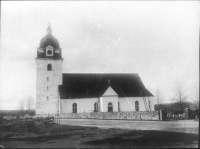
[37, 135]
[26, 130]
[148, 138]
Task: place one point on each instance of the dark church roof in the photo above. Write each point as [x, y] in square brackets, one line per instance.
[90, 85]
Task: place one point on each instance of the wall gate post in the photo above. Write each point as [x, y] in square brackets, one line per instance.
[188, 113]
[162, 115]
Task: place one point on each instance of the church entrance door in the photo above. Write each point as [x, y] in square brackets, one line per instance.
[110, 107]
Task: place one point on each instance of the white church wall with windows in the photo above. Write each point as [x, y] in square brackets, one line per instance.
[106, 104]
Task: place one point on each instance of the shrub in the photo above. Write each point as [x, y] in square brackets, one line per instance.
[28, 126]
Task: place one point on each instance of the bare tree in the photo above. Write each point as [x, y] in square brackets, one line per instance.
[21, 105]
[180, 95]
[195, 96]
[30, 103]
[159, 97]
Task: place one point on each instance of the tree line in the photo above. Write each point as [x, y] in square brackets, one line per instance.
[27, 104]
[180, 96]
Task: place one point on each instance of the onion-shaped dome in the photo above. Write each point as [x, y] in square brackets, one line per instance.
[49, 39]
[49, 47]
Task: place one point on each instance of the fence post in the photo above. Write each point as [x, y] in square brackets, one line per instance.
[187, 113]
[59, 118]
[162, 115]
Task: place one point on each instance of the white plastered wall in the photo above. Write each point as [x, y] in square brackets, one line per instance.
[104, 103]
[109, 96]
[125, 103]
[87, 104]
[50, 105]
[83, 105]
[128, 103]
[152, 103]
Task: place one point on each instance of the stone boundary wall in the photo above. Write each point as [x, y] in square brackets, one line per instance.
[140, 115]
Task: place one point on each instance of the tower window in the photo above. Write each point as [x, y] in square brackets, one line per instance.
[47, 98]
[47, 79]
[136, 106]
[49, 67]
[47, 88]
[74, 107]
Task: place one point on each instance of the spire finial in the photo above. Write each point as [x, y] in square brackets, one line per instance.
[49, 30]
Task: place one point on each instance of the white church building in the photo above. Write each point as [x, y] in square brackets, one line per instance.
[58, 92]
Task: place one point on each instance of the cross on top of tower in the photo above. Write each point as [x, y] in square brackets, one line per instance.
[49, 30]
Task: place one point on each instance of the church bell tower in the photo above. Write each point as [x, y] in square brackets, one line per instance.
[49, 75]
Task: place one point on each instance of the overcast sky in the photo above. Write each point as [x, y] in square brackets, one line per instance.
[159, 40]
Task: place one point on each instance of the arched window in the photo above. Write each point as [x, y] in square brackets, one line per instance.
[49, 67]
[136, 106]
[96, 109]
[74, 107]
[110, 107]
[118, 107]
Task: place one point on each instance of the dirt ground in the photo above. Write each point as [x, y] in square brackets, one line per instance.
[185, 126]
[119, 134]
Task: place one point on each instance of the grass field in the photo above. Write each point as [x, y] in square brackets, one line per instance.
[70, 136]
